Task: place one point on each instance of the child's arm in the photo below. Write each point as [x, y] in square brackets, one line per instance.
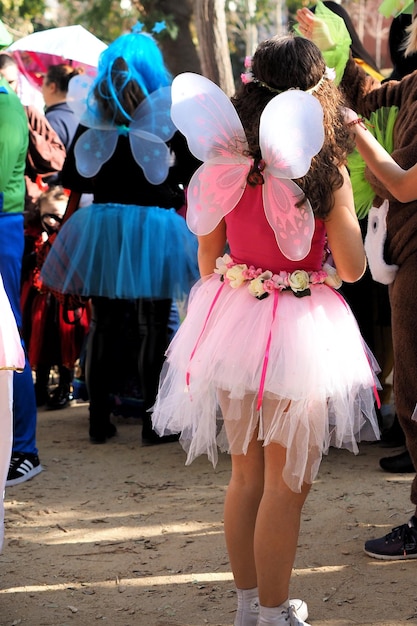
[344, 234]
[402, 184]
[210, 247]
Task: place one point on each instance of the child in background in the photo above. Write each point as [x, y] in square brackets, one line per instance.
[54, 336]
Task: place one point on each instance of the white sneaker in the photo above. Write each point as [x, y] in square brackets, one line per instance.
[294, 619]
[286, 616]
[300, 608]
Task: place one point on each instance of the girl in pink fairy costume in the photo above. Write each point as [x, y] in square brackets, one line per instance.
[267, 337]
[11, 358]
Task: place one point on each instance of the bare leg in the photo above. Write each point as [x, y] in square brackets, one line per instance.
[243, 496]
[277, 529]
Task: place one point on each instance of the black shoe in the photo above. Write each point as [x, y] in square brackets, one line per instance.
[400, 543]
[150, 438]
[22, 467]
[100, 433]
[398, 464]
[59, 398]
[393, 437]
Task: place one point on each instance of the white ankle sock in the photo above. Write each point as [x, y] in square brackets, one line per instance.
[247, 607]
[273, 616]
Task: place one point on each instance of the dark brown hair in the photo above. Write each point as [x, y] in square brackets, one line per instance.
[290, 62]
[118, 109]
[61, 74]
[6, 60]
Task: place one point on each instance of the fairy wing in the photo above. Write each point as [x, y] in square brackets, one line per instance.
[151, 127]
[151, 153]
[207, 118]
[78, 89]
[153, 115]
[213, 191]
[97, 144]
[82, 102]
[93, 148]
[290, 134]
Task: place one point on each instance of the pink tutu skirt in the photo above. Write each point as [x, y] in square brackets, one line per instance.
[296, 369]
[11, 352]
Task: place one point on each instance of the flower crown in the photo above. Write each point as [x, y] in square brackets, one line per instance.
[248, 77]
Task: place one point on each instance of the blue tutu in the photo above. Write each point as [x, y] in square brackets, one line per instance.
[123, 251]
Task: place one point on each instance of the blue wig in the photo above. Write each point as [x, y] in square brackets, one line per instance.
[145, 66]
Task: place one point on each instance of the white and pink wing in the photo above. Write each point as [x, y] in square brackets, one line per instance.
[291, 133]
[207, 118]
[213, 191]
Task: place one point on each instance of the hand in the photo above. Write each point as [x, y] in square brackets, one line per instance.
[315, 29]
[349, 115]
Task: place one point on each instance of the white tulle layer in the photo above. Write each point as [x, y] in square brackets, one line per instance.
[11, 352]
[318, 388]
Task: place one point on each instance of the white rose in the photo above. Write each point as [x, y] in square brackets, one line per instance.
[256, 287]
[222, 263]
[235, 275]
[299, 280]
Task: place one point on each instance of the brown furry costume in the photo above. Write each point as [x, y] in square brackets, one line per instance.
[365, 95]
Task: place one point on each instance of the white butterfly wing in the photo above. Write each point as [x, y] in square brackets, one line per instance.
[293, 226]
[150, 128]
[77, 98]
[207, 118]
[151, 153]
[214, 190]
[153, 115]
[93, 148]
[290, 133]
[78, 89]
[214, 132]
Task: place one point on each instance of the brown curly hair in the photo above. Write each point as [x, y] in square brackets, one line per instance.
[286, 62]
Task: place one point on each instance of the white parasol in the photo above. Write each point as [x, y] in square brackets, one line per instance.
[34, 53]
[72, 43]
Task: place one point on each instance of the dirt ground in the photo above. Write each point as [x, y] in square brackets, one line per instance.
[129, 536]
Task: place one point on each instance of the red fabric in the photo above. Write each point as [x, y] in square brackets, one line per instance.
[36, 302]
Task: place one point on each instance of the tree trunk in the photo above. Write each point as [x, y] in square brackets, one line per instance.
[180, 54]
[210, 19]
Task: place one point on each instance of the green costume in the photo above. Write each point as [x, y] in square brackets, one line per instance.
[13, 150]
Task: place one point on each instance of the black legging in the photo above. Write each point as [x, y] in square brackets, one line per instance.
[150, 343]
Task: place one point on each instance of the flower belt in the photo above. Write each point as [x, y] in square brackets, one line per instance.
[261, 284]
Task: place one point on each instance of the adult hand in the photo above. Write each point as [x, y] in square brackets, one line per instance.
[313, 28]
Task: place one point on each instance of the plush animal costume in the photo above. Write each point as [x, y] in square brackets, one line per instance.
[367, 96]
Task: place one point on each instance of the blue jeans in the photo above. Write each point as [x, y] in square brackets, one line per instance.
[24, 402]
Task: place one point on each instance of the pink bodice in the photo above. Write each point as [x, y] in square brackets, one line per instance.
[252, 240]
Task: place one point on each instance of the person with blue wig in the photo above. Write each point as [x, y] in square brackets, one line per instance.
[130, 246]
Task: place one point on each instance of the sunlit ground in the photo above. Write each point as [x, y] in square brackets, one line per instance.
[130, 536]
